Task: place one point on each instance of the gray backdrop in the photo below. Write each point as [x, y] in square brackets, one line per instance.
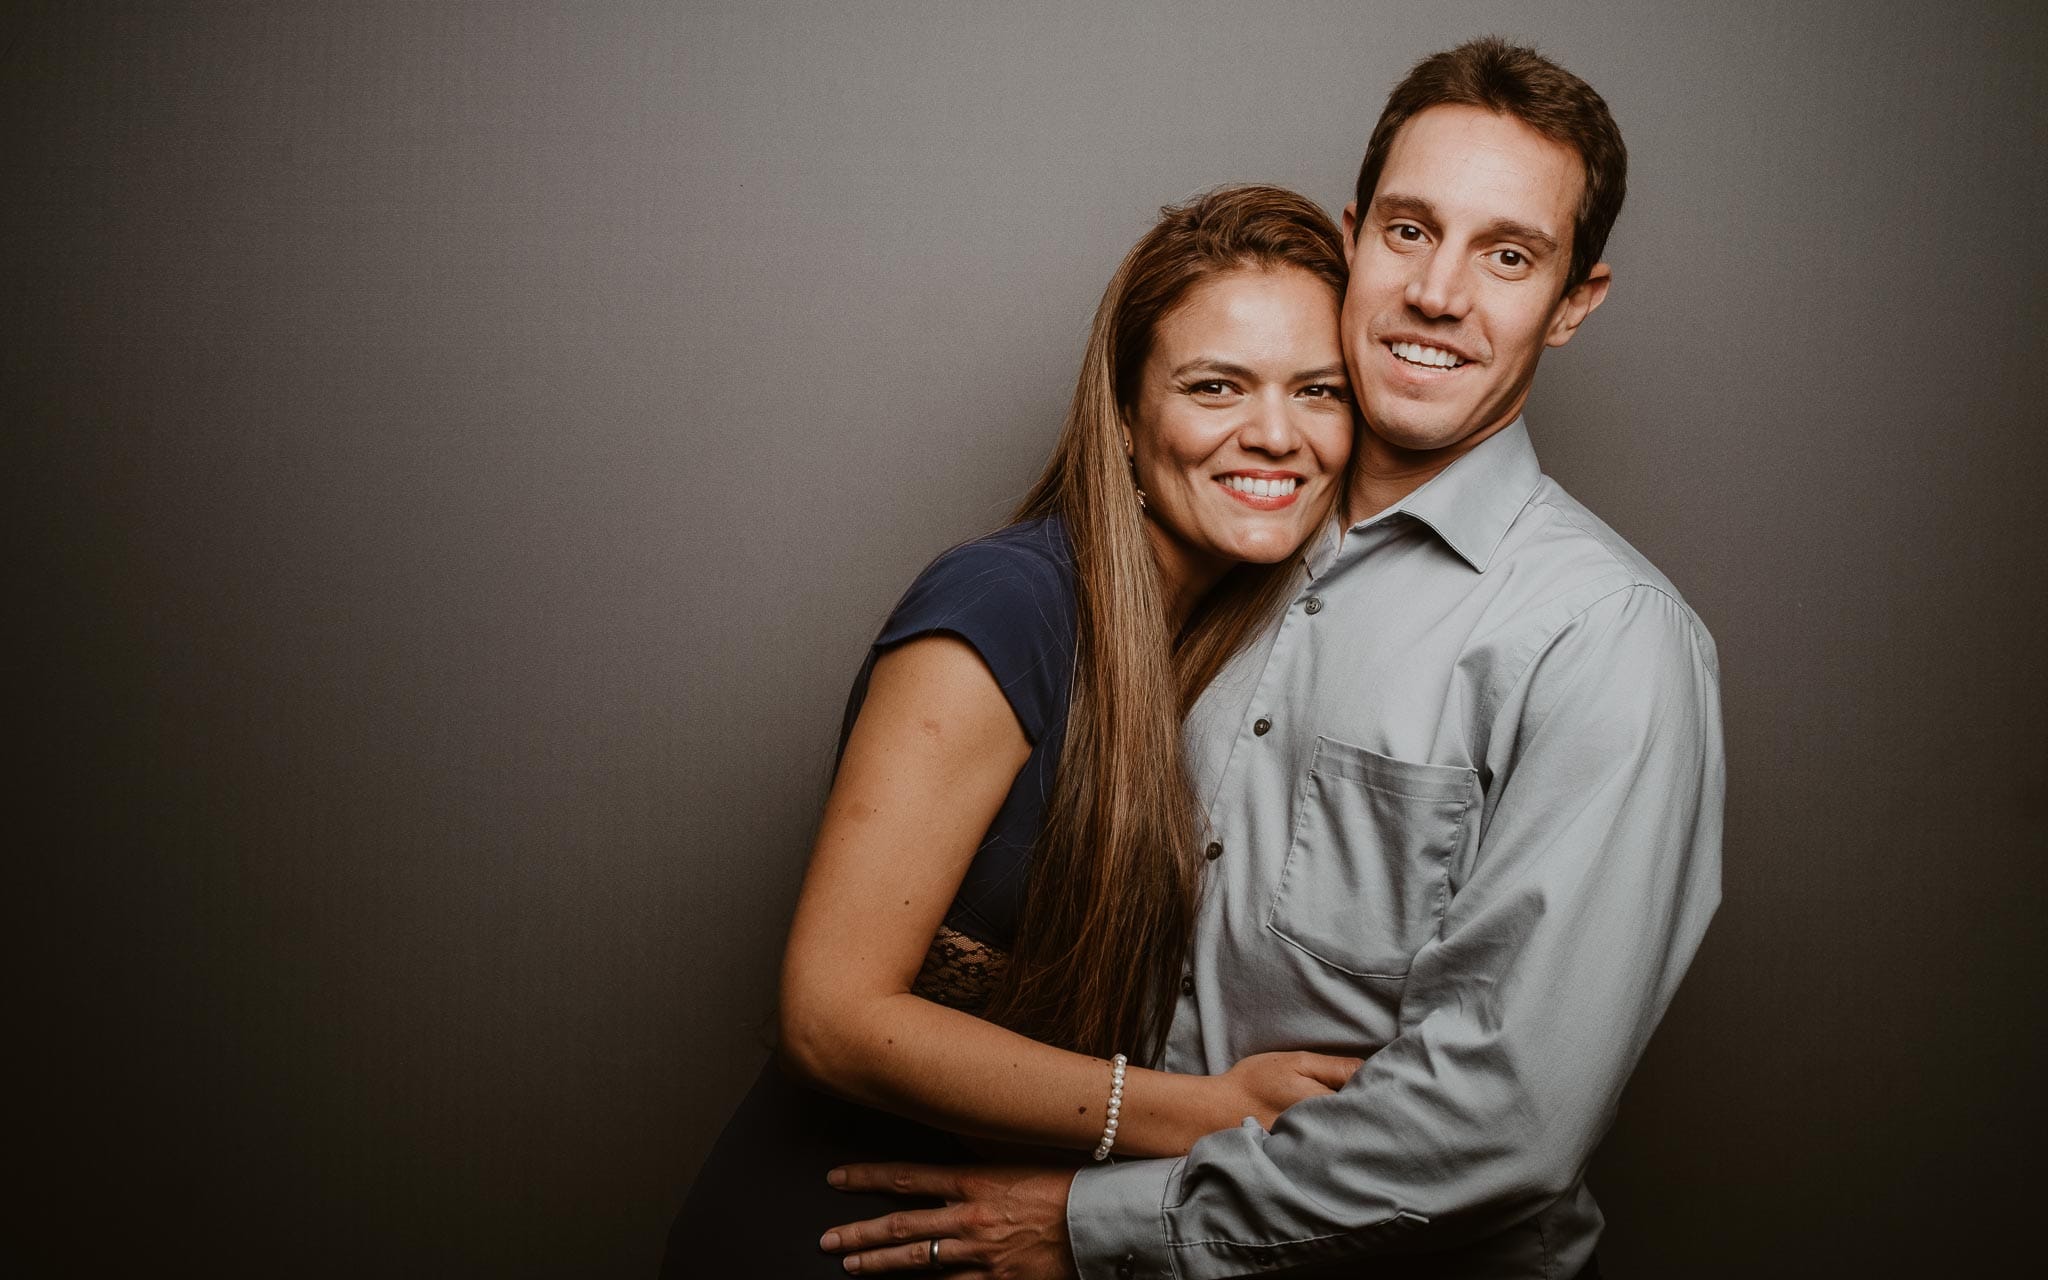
[456, 454]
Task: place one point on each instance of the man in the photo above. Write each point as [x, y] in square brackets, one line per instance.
[1464, 799]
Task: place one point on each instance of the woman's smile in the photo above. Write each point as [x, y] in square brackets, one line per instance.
[1263, 490]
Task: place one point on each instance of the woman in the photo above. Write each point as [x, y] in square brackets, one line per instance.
[1020, 712]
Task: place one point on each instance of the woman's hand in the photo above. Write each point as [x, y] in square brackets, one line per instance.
[1265, 1084]
[1167, 1112]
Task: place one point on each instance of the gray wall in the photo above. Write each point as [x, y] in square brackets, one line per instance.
[455, 455]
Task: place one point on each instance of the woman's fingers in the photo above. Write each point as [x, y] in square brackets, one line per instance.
[1330, 1070]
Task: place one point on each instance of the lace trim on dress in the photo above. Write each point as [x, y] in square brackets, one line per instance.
[959, 972]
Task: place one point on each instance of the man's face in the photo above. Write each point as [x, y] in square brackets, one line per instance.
[1457, 278]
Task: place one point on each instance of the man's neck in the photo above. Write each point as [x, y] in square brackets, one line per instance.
[1382, 474]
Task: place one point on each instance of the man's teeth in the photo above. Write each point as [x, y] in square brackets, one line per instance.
[1262, 488]
[1416, 353]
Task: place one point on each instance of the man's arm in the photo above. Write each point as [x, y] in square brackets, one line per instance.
[1598, 868]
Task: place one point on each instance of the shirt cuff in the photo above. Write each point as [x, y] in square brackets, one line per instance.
[1116, 1220]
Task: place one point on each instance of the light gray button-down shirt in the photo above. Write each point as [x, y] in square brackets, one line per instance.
[1468, 792]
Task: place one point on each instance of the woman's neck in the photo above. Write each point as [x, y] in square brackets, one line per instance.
[1185, 575]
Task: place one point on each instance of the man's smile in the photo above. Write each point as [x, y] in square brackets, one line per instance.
[1425, 356]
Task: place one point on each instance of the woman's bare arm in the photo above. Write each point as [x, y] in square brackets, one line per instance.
[930, 759]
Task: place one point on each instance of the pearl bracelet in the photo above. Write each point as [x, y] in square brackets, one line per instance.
[1116, 1104]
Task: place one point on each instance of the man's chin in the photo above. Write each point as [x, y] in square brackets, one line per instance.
[1419, 437]
[1404, 430]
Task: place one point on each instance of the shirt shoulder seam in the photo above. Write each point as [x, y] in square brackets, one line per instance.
[1605, 539]
[1692, 620]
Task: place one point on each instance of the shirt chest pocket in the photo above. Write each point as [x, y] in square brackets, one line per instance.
[1367, 875]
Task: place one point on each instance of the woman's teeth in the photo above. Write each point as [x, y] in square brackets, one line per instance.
[1416, 353]
[1262, 488]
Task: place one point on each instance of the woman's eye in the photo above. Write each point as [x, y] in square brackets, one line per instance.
[1325, 391]
[1210, 388]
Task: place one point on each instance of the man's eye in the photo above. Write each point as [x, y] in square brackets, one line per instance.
[1325, 391]
[1408, 231]
[1510, 258]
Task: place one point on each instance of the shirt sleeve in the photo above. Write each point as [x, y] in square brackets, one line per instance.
[1009, 601]
[1597, 870]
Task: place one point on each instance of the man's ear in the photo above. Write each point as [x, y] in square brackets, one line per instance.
[1350, 231]
[1574, 307]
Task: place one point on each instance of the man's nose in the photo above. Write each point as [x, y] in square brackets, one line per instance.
[1438, 287]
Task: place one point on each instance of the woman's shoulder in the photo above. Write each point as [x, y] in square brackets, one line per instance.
[1029, 565]
[1010, 595]
[1035, 544]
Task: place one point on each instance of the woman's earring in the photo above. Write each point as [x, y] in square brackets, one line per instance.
[1131, 461]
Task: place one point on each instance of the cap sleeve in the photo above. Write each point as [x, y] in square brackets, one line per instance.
[1013, 602]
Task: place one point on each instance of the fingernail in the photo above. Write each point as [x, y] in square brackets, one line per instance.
[836, 1178]
[851, 1264]
[830, 1242]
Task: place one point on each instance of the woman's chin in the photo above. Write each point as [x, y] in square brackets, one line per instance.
[1267, 546]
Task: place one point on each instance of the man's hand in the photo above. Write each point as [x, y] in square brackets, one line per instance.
[1008, 1221]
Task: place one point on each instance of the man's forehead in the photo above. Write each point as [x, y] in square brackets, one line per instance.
[1468, 163]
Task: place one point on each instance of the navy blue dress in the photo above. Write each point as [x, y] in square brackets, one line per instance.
[760, 1202]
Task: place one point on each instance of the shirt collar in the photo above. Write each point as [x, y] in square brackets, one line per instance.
[1471, 503]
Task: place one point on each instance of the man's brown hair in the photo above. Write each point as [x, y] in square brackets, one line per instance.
[1511, 80]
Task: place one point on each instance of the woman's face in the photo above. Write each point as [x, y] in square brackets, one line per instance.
[1241, 423]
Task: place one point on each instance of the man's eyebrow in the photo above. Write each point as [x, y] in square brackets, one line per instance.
[1509, 229]
[1322, 373]
[1395, 205]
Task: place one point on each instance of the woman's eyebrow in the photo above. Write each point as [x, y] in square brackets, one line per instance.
[1335, 369]
[1206, 365]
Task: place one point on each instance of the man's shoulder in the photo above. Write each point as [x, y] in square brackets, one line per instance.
[1574, 560]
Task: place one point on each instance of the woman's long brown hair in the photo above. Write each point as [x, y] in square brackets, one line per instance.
[1115, 880]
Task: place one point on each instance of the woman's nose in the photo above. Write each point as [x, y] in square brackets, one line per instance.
[1270, 427]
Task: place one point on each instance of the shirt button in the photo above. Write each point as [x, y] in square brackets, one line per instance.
[1313, 604]
[1260, 725]
[1214, 851]
[1187, 984]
